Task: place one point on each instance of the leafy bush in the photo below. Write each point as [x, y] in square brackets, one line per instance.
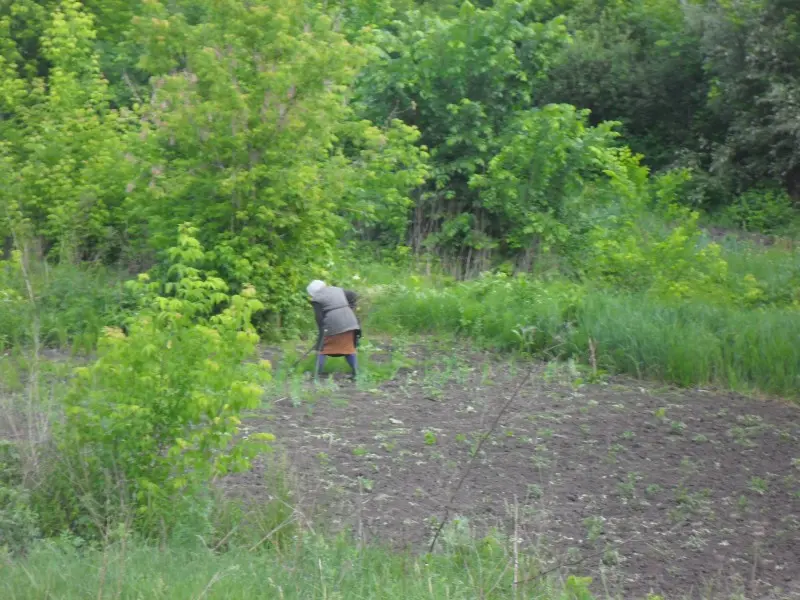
[157, 416]
[555, 177]
[670, 264]
[761, 211]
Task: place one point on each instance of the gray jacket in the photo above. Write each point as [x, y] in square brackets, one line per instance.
[334, 311]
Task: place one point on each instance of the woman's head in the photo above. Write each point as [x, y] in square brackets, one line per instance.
[315, 286]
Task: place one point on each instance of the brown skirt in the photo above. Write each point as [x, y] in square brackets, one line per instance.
[340, 344]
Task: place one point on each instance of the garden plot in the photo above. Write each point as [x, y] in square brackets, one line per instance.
[649, 489]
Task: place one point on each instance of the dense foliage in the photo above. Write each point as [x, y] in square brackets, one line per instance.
[281, 128]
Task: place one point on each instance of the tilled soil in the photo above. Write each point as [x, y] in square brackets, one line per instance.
[647, 488]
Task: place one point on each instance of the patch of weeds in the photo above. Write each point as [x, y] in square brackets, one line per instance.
[573, 555]
[613, 451]
[539, 460]
[758, 485]
[434, 393]
[660, 413]
[545, 434]
[594, 527]
[475, 442]
[741, 436]
[486, 375]
[700, 438]
[323, 459]
[535, 491]
[509, 433]
[750, 420]
[690, 502]
[360, 451]
[695, 541]
[457, 535]
[677, 427]
[652, 490]
[611, 558]
[688, 466]
[743, 503]
[586, 429]
[628, 435]
[389, 446]
[461, 437]
[749, 427]
[430, 437]
[567, 371]
[627, 489]
[366, 484]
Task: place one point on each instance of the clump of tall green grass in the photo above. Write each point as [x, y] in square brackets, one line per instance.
[684, 342]
[72, 303]
[311, 567]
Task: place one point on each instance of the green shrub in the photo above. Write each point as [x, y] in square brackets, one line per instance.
[761, 211]
[156, 417]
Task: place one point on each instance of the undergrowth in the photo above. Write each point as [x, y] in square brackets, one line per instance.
[311, 567]
[687, 342]
[73, 303]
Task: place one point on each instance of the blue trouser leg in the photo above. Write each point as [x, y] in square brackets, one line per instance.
[320, 364]
[353, 362]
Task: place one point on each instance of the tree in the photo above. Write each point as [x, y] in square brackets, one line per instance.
[459, 79]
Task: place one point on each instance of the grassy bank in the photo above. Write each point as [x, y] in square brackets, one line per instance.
[310, 567]
[687, 343]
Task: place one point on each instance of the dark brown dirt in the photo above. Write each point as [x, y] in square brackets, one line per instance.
[685, 493]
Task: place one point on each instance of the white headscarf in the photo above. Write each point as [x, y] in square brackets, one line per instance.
[315, 286]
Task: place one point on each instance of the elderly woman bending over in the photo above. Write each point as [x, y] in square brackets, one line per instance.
[339, 329]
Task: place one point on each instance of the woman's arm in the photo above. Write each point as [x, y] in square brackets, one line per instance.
[320, 318]
[352, 298]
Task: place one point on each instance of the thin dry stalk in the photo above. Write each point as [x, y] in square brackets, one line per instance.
[275, 530]
[360, 515]
[475, 455]
[593, 357]
[35, 428]
[515, 548]
[217, 576]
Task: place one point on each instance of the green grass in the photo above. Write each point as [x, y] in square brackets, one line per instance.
[311, 567]
[687, 343]
[74, 304]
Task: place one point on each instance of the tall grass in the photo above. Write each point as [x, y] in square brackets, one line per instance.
[777, 268]
[311, 568]
[73, 302]
[687, 343]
